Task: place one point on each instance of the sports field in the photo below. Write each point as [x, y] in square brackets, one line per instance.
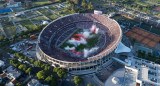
[90, 42]
[130, 23]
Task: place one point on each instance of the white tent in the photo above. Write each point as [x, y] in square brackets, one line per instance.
[1, 63]
[122, 48]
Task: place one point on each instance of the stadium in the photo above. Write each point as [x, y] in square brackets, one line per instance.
[79, 41]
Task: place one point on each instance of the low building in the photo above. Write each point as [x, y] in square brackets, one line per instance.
[12, 73]
[1, 63]
[14, 4]
[35, 82]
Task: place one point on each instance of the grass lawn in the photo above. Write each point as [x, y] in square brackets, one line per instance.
[6, 22]
[52, 7]
[45, 12]
[1, 34]
[2, 2]
[62, 12]
[38, 20]
[52, 17]
[30, 13]
[148, 28]
[28, 24]
[10, 30]
[125, 21]
[41, 2]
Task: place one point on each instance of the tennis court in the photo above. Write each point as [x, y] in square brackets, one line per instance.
[144, 37]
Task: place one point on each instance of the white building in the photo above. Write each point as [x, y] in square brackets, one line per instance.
[12, 73]
[14, 4]
[1, 63]
[35, 82]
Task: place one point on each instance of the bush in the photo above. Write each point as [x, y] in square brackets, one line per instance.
[28, 70]
[14, 62]
[77, 80]
[41, 75]
[51, 80]
[38, 63]
[32, 61]
[22, 67]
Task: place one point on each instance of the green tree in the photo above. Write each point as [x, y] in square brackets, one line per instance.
[89, 85]
[90, 6]
[19, 84]
[84, 4]
[41, 74]
[77, 80]
[56, 69]
[51, 80]
[72, 10]
[38, 63]
[26, 58]
[32, 61]
[29, 70]
[14, 62]
[68, 2]
[22, 67]
[61, 73]
[47, 67]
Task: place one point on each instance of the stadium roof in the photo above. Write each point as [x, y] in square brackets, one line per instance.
[144, 37]
[122, 48]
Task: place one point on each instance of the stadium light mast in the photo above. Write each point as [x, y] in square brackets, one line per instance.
[158, 22]
[147, 19]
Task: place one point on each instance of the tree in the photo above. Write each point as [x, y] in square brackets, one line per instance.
[22, 66]
[32, 61]
[72, 10]
[47, 67]
[43, 65]
[37, 63]
[84, 4]
[56, 69]
[90, 6]
[26, 58]
[29, 70]
[61, 73]
[19, 84]
[77, 80]
[14, 62]
[51, 80]
[41, 74]
[89, 85]
[68, 2]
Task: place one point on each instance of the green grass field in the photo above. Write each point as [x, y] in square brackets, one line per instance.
[28, 24]
[90, 42]
[41, 2]
[10, 31]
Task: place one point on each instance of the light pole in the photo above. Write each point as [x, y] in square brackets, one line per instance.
[150, 28]
[147, 19]
[158, 22]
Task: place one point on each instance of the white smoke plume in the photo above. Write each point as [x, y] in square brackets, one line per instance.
[77, 42]
[87, 52]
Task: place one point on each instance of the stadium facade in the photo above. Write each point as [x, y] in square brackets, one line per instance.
[60, 29]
